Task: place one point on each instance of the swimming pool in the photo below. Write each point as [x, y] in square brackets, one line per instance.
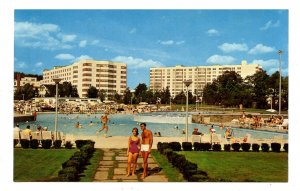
[122, 124]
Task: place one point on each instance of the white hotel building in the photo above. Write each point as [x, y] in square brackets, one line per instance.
[173, 77]
[105, 75]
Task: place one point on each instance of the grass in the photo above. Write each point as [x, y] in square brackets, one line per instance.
[39, 164]
[242, 166]
[90, 171]
[172, 173]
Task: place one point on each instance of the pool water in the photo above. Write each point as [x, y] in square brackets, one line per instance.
[122, 124]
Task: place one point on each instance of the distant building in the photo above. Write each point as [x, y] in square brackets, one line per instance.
[173, 77]
[105, 75]
[26, 80]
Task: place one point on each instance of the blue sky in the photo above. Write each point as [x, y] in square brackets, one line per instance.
[149, 38]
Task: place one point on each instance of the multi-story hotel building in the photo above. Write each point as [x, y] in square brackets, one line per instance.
[104, 75]
[173, 77]
[26, 80]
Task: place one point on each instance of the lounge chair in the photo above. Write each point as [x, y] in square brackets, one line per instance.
[25, 136]
[216, 138]
[36, 135]
[196, 138]
[47, 135]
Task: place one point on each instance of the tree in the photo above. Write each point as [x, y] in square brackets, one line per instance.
[127, 96]
[74, 92]
[258, 85]
[165, 95]
[102, 94]
[117, 97]
[140, 92]
[92, 92]
[27, 91]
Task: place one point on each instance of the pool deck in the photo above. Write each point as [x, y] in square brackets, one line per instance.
[122, 141]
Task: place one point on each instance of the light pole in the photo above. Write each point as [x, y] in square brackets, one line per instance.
[271, 96]
[23, 96]
[56, 80]
[187, 84]
[280, 52]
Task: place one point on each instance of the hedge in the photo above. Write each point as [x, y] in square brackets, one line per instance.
[175, 146]
[265, 147]
[227, 147]
[68, 145]
[187, 146]
[236, 146]
[275, 147]
[57, 144]
[245, 147]
[286, 147]
[216, 147]
[47, 143]
[255, 147]
[34, 143]
[24, 143]
[77, 162]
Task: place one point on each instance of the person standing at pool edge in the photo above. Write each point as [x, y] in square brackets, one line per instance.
[147, 140]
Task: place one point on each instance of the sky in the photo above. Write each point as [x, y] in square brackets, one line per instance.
[149, 38]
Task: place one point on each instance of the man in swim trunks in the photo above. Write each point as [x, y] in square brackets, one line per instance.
[147, 140]
[104, 120]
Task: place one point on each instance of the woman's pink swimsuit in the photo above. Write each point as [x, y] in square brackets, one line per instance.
[133, 148]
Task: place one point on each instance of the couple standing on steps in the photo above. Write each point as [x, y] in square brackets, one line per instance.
[135, 146]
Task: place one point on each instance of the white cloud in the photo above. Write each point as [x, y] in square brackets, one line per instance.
[67, 38]
[94, 42]
[272, 63]
[213, 32]
[171, 42]
[82, 43]
[83, 57]
[21, 65]
[132, 31]
[270, 24]
[180, 42]
[227, 47]
[260, 49]
[137, 62]
[167, 42]
[39, 64]
[271, 66]
[44, 36]
[218, 59]
[65, 57]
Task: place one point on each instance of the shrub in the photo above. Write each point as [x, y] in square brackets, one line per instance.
[206, 146]
[199, 176]
[227, 147]
[236, 146]
[163, 146]
[72, 162]
[167, 152]
[68, 174]
[187, 146]
[68, 145]
[179, 162]
[80, 143]
[175, 146]
[275, 147]
[255, 147]
[245, 146]
[34, 143]
[47, 143]
[189, 169]
[286, 147]
[216, 147]
[265, 147]
[198, 146]
[24, 143]
[57, 144]
[16, 141]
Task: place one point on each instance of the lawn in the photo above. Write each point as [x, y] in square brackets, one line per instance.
[242, 166]
[39, 164]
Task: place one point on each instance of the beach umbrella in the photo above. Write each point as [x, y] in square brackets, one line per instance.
[271, 110]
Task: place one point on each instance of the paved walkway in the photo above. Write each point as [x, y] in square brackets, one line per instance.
[112, 168]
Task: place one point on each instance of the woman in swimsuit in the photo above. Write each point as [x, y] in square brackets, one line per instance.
[133, 150]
